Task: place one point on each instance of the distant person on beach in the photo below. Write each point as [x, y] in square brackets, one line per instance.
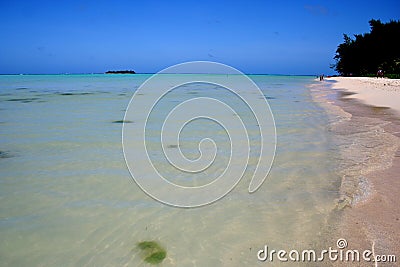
[321, 77]
[379, 74]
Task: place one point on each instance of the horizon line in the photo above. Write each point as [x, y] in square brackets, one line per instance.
[150, 73]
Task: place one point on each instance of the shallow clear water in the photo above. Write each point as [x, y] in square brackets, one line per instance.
[67, 197]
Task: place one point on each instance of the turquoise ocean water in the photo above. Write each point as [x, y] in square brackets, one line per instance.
[67, 197]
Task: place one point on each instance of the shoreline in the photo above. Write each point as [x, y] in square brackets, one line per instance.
[365, 119]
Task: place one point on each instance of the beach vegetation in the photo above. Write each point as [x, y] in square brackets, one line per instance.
[365, 54]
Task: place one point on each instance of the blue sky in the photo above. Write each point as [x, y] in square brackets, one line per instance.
[274, 37]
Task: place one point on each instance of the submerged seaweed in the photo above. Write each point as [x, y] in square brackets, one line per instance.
[153, 253]
[4, 155]
[84, 93]
[172, 146]
[23, 100]
[122, 121]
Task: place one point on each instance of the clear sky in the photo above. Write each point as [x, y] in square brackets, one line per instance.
[273, 37]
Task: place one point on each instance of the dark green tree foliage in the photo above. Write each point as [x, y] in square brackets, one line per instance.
[366, 53]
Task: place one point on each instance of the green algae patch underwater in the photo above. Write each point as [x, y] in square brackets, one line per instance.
[153, 253]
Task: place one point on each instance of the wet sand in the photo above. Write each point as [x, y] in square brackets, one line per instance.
[369, 139]
[374, 220]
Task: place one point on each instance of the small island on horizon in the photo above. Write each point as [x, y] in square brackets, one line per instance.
[120, 72]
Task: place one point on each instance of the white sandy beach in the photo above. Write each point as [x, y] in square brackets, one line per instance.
[380, 92]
